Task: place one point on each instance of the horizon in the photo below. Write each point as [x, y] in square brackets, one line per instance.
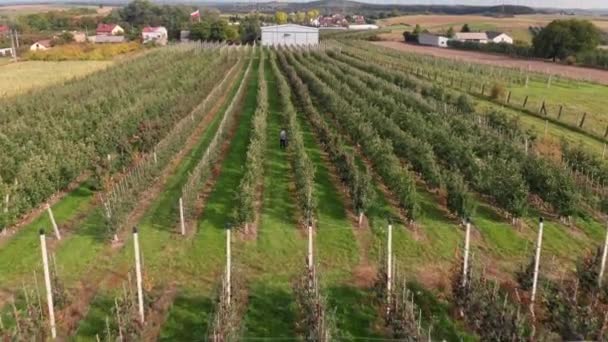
[558, 4]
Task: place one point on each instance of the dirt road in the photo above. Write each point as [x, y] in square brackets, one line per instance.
[587, 74]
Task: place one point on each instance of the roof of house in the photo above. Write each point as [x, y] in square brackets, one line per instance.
[494, 34]
[290, 27]
[471, 35]
[4, 28]
[427, 34]
[106, 28]
[46, 43]
[150, 29]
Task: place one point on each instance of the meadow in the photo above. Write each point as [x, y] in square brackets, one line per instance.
[355, 230]
[21, 77]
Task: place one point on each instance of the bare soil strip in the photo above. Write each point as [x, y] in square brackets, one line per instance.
[535, 65]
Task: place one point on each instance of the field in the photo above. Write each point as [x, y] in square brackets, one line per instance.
[355, 230]
[516, 26]
[12, 11]
[21, 77]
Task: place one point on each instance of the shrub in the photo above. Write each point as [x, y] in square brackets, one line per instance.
[498, 91]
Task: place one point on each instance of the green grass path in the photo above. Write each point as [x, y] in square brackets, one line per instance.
[278, 253]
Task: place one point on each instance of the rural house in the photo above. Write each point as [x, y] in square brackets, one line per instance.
[471, 37]
[6, 52]
[4, 30]
[109, 30]
[41, 45]
[499, 37]
[156, 35]
[289, 34]
[432, 40]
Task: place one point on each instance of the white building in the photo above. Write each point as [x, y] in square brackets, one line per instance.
[362, 27]
[157, 35]
[499, 37]
[289, 34]
[6, 52]
[432, 40]
[473, 37]
[41, 45]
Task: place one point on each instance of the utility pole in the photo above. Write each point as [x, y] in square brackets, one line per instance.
[48, 285]
[539, 243]
[13, 46]
[465, 262]
[603, 265]
[389, 262]
[140, 295]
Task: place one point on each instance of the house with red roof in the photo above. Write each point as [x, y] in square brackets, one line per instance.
[4, 30]
[109, 30]
[156, 35]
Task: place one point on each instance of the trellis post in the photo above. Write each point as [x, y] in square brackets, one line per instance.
[48, 285]
[603, 264]
[53, 222]
[181, 216]
[465, 262]
[140, 295]
[228, 265]
[539, 243]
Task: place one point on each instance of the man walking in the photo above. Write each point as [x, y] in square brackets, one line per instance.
[283, 138]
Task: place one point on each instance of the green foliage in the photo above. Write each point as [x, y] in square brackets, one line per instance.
[459, 199]
[525, 275]
[563, 38]
[357, 180]
[356, 124]
[451, 32]
[303, 167]
[464, 104]
[498, 91]
[588, 270]
[247, 192]
[465, 28]
[249, 29]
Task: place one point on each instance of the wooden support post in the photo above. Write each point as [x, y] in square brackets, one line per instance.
[389, 261]
[559, 115]
[48, 285]
[509, 97]
[603, 264]
[465, 261]
[580, 125]
[228, 266]
[140, 294]
[483, 89]
[539, 243]
[360, 218]
[310, 261]
[7, 196]
[525, 101]
[155, 158]
[181, 216]
[53, 222]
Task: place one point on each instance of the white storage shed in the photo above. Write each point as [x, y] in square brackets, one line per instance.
[289, 34]
[432, 40]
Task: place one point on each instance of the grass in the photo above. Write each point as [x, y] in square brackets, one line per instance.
[21, 254]
[18, 78]
[576, 98]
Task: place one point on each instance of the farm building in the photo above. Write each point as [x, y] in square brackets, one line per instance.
[7, 52]
[432, 40]
[499, 37]
[41, 45]
[156, 35]
[109, 30]
[363, 27]
[289, 34]
[471, 37]
[103, 39]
